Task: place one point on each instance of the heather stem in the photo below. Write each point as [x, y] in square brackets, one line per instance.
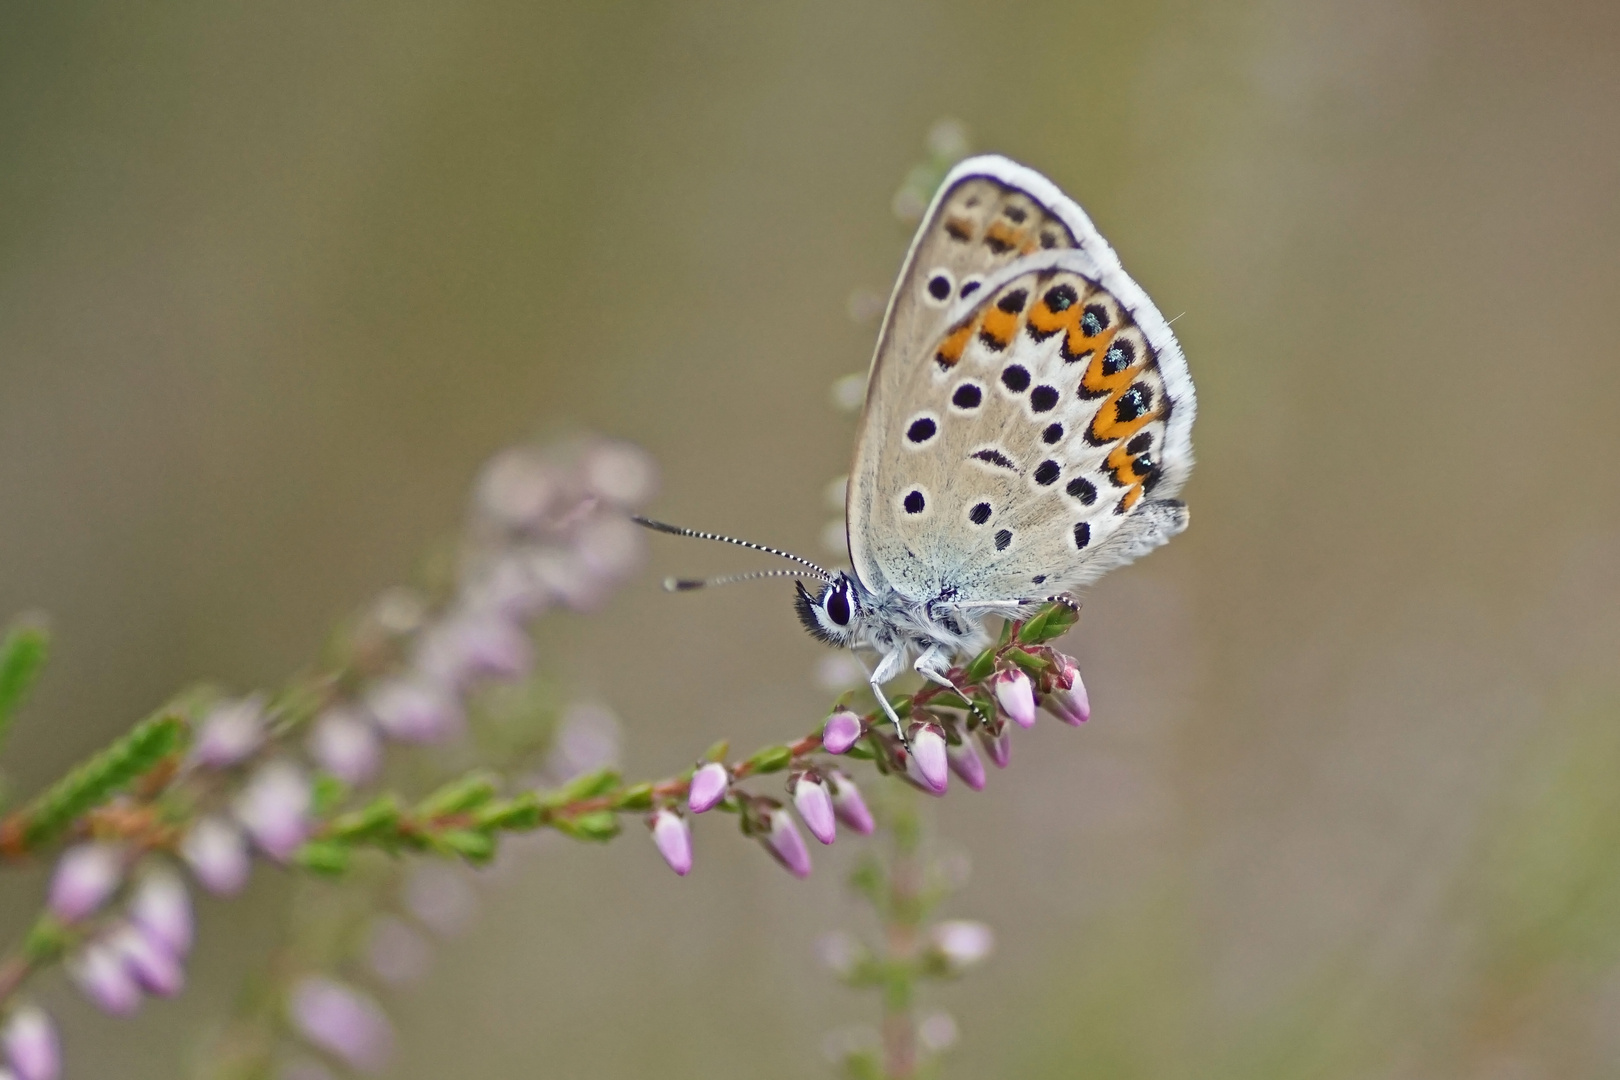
[902, 916]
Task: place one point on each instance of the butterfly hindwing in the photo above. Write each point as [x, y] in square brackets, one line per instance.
[1023, 438]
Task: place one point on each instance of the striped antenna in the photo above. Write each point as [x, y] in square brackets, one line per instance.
[672, 584]
[676, 530]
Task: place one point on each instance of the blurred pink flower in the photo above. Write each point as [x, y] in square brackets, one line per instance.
[230, 733]
[32, 1045]
[962, 942]
[848, 804]
[100, 974]
[415, 710]
[153, 967]
[161, 907]
[217, 853]
[342, 1021]
[927, 763]
[274, 808]
[786, 845]
[86, 876]
[965, 763]
[345, 744]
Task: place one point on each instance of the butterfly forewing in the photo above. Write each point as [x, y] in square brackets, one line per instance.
[1014, 441]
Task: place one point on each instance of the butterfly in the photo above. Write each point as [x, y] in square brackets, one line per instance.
[1028, 423]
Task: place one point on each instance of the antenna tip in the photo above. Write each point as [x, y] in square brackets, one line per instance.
[672, 584]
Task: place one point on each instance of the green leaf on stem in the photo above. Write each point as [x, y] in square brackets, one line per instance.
[378, 819]
[980, 667]
[1054, 620]
[460, 795]
[520, 814]
[597, 826]
[470, 844]
[718, 752]
[22, 656]
[1032, 664]
[771, 759]
[328, 858]
[100, 778]
[639, 797]
[585, 786]
[327, 795]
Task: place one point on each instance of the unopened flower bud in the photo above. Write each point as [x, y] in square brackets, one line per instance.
[216, 851]
[102, 977]
[161, 907]
[673, 838]
[1068, 700]
[149, 963]
[441, 898]
[345, 744]
[842, 730]
[965, 763]
[786, 845]
[708, 787]
[416, 710]
[814, 804]
[230, 733]
[620, 473]
[927, 763]
[343, 1022]
[397, 953]
[849, 806]
[1016, 697]
[32, 1045]
[86, 875]
[274, 808]
[962, 942]
[998, 744]
[519, 487]
[471, 647]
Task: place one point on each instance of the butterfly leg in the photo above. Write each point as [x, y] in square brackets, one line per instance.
[935, 666]
[887, 669]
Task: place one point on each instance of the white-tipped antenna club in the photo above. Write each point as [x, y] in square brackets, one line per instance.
[682, 584]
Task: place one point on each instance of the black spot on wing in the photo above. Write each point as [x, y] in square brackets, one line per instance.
[1082, 489]
[992, 456]
[1082, 535]
[1052, 434]
[1047, 473]
[1012, 303]
[921, 430]
[1003, 538]
[914, 502]
[1015, 377]
[980, 513]
[967, 396]
[1043, 398]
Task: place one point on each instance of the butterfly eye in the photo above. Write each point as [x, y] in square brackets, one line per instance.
[837, 605]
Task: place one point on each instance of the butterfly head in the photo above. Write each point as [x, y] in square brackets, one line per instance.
[833, 614]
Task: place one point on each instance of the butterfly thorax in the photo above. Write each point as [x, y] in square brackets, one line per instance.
[886, 622]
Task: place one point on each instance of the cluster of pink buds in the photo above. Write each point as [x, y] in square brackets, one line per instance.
[130, 954]
[33, 1051]
[939, 744]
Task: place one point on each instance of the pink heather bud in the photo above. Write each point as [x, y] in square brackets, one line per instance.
[274, 808]
[998, 745]
[1068, 700]
[161, 907]
[32, 1047]
[509, 588]
[152, 966]
[786, 845]
[962, 942]
[841, 952]
[345, 744]
[86, 875]
[343, 1022]
[849, 806]
[842, 731]
[673, 838]
[230, 733]
[396, 952]
[610, 546]
[708, 787]
[217, 853]
[966, 764]
[519, 488]
[620, 473]
[102, 977]
[927, 763]
[416, 710]
[1016, 697]
[470, 647]
[815, 807]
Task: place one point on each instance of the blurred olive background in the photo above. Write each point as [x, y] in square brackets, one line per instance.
[274, 279]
